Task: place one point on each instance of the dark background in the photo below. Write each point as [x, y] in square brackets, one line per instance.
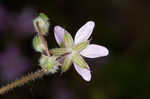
[123, 26]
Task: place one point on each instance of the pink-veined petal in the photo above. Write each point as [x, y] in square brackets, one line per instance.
[59, 34]
[94, 51]
[83, 72]
[84, 32]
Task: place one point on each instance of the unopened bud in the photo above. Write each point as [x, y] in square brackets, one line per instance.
[41, 24]
[49, 64]
[38, 44]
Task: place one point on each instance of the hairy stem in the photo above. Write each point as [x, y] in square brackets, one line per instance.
[31, 76]
[22, 81]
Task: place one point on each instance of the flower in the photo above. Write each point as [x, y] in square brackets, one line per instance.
[74, 50]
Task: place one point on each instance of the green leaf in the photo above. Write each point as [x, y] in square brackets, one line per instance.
[77, 59]
[80, 46]
[66, 64]
[68, 41]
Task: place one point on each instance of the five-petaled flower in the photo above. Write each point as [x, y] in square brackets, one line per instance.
[73, 51]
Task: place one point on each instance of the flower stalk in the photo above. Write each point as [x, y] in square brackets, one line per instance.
[37, 74]
[43, 39]
[22, 81]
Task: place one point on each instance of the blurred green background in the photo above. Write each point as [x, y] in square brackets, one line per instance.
[123, 26]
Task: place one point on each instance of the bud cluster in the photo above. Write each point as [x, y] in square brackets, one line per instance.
[48, 63]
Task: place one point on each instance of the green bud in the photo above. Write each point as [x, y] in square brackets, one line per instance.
[77, 59]
[49, 64]
[41, 24]
[59, 51]
[66, 64]
[44, 17]
[68, 41]
[80, 46]
[37, 44]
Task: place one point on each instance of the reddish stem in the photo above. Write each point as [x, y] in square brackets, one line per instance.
[43, 40]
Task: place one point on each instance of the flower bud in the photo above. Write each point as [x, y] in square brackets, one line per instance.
[37, 44]
[41, 24]
[49, 64]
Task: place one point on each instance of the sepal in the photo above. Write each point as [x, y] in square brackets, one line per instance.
[68, 41]
[66, 64]
[59, 51]
[77, 59]
[80, 46]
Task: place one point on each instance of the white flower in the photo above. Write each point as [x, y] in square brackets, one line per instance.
[80, 46]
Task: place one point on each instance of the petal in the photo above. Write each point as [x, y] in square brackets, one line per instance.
[84, 72]
[84, 32]
[94, 51]
[59, 34]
